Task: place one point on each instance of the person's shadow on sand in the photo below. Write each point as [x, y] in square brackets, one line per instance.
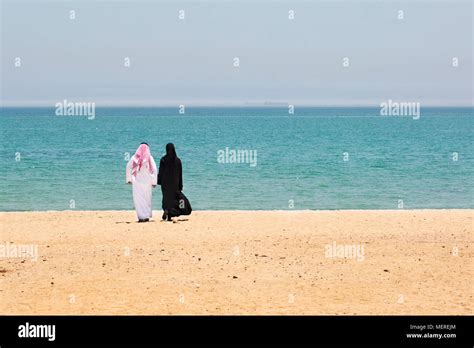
[129, 222]
[174, 220]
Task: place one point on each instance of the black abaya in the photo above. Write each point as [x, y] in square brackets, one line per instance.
[170, 177]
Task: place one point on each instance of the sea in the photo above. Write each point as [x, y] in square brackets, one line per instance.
[241, 158]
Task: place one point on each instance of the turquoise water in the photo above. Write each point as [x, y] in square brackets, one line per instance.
[300, 157]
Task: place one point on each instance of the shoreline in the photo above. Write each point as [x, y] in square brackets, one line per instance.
[155, 211]
[290, 262]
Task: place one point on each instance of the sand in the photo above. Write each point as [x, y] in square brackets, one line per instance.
[238, 262]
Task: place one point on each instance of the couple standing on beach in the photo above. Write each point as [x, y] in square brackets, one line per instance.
[143, 175]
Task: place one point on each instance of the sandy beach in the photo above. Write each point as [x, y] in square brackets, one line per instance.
[238, 262]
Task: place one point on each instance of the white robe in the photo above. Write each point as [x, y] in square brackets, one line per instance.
[142, 185]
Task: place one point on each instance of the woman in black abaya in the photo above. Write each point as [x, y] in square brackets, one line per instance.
[170, 177]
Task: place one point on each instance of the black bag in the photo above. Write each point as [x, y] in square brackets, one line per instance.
[184, 207]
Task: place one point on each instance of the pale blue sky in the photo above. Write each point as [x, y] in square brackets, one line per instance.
[191, 61]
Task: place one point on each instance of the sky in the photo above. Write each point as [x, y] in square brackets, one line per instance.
[190, 61]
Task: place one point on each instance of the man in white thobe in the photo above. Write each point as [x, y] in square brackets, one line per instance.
[142, 174]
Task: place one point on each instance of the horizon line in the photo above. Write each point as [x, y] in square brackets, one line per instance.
[249, 105]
